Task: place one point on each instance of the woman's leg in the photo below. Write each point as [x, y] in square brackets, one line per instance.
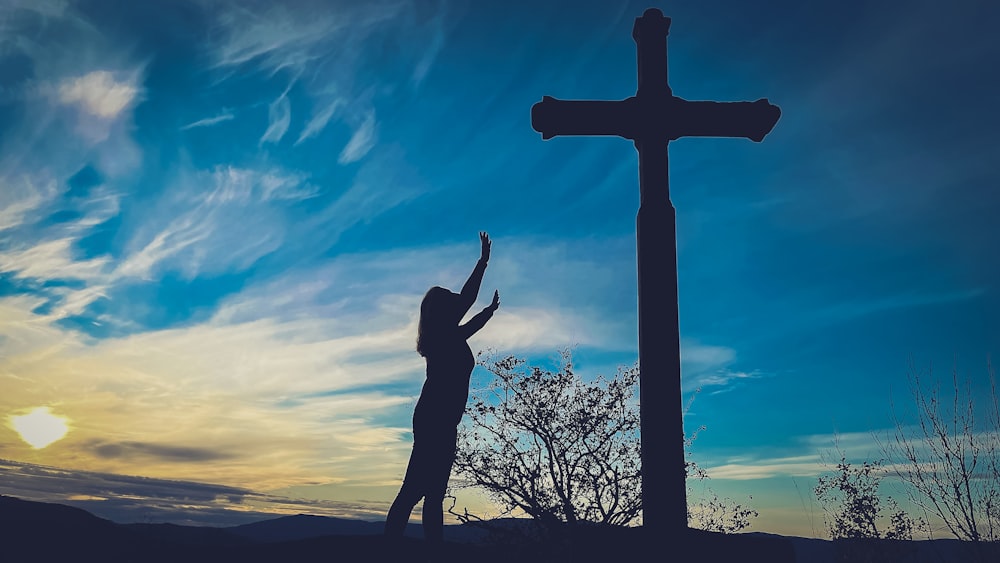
[399, 512]
[432, 518]
[432, 515]
[414, 487]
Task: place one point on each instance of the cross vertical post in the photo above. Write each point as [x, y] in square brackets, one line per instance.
[651, 119]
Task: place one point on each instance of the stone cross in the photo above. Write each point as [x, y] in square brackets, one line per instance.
[652, 118]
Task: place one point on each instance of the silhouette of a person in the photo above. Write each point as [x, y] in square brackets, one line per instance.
[441, 340]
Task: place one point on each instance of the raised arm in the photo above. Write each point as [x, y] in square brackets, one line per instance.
[470, 291]
[479, 321]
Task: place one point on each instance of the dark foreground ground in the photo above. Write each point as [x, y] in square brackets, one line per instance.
[37, 532]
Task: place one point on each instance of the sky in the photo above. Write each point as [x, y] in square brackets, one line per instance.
[217, 220]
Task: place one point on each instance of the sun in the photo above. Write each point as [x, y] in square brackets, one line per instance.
[40, 427]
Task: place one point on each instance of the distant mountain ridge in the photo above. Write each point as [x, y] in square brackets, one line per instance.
[304, 526]
[43, 532]
[36, 532]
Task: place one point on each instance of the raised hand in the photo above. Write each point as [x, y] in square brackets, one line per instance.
[485, 240]
[496, 301]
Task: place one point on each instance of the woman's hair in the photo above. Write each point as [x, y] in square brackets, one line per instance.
[436, 317]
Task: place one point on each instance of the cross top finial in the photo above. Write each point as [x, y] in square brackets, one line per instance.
[651, 21]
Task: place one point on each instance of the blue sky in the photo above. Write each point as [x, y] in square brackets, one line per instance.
[217, 220]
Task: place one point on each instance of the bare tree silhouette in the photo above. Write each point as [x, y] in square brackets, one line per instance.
[951, 463]
[564, 451]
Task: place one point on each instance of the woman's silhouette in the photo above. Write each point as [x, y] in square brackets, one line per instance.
[442, 343]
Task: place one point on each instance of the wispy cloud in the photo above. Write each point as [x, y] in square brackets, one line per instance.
[44, 8]
[242, 185]
[209, 121]
[382, 183]
[242, 217]
[528, 329]
[704, 356]
[20, 196]
[279, 115]
[301, 41]
[856, 308]
[361, 141]
[725, 380]
[708, 366]
[794, 466]
[51, 260]
[277, 36]
[324, 51]
[432, 47]
[809, 456]
[319, 120]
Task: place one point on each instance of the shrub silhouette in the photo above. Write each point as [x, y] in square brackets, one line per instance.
[853, 507]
